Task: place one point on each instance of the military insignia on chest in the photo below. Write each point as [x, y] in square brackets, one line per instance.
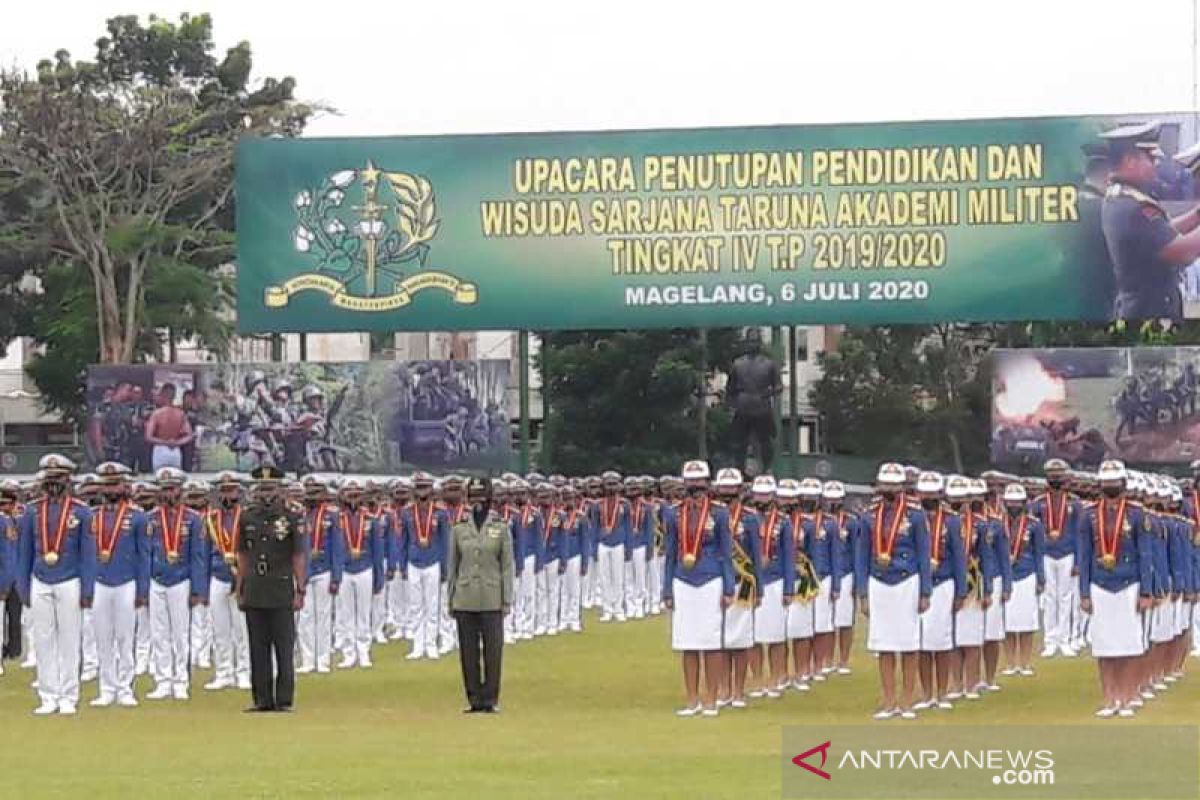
[281, 529]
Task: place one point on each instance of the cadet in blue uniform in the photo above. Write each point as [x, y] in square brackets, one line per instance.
[362, 575]
[641, 538]
[574, 532]
[737, 628]
[1115, 586]
[549, 589]
[610, 521]
[1182, 560]
[56, 578]
[1059, 512]
[893, 582]
[231, 643]
[948, 570]
[325, 557]
[1000, 589]
[178, 581]
[833, 493]
[698, 586]
[821, 538]
[10, 619]
[422, 554]
[122, 583]
[1147, 247]
[966, 499]
[527, 546]
[772, 530]
[1026, 542]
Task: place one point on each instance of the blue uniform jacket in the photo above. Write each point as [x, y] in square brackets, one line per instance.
[975, 530]
[820, 544]
[910, 553]
[574, 531]
[433, 552]
[714, 560]
[526, 523]
[76, 556]
[641, 524]
[217, 568]
[612, 511]
[359, 526]
[8, 554]
[1029, 559]
[1179, 551]
[950, 548]
[848, 527]
[744, 542]
[192, 556]
[776, 549]
[1066, 511]
[1134, 556]
[130, 558]
[325, 549]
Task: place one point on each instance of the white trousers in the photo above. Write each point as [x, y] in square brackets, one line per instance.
[590, 582]
[655, 581]
[424, 584]
[549, 592]
[354, 615]
[87, 630]
[141, 638]
[1060, 600]
[201, 636]
[314, 631]
[113, 615]
[635, 583]
[569, 586]
[170, 627]
[57, 618]
[449, 626]
[27, 646]
[378, 612]
[526, 597]
[396, 592]
[612, 580]
[231, 644]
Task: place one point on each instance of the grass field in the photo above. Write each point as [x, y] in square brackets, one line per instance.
[584, 716]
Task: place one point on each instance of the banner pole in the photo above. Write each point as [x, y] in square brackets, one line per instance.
[776, 404]
[793, 407]
[523, 390]
[544, 449]
[702, 411]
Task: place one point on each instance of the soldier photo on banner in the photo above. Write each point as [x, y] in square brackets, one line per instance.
[1090, 404]
[378, 416]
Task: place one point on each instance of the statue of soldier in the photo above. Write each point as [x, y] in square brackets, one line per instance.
[753, 385]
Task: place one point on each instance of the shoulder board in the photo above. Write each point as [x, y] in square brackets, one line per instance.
[912, 502]
[719, 503]
[77, 503]
[1088, 503]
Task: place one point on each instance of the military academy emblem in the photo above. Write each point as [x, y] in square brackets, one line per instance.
[366, 235]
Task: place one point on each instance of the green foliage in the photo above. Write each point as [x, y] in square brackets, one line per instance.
[629, 399]
[116, 192]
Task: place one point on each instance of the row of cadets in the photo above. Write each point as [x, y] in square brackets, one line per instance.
[230, 641]
[1060, 512]
[419, 555]
[698, 586]
[363, 572]
[1116, 587]
[610, 522]
[948, 574]
[326, 558]
[893, 581]
[178, 582]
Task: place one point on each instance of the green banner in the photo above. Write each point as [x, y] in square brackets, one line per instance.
[984, 220]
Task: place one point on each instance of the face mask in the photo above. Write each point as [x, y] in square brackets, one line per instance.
[808, 505]
[1055, 483]
[228, 502]
[929, 503]
[977, 505]
[55, 488]
[112, 497]
[1111, 491]
[888, 493]
[695, 491]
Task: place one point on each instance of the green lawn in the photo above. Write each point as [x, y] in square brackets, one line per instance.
[584, 716]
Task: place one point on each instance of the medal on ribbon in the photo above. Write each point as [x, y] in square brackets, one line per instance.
[936, 526]
[226, 539]
[106, 542]
[1110, 538]
[355, 535]
[768, 536]
[50, 550]
[609, 507]
[318, 529]
[884, 547]
[1055, 518]
[171, 534]
[692, 534]
[425, 529]
[1015, 542]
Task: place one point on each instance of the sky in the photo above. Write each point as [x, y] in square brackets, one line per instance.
[449, 66]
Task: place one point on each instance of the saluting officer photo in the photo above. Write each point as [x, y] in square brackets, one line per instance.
[271, 586]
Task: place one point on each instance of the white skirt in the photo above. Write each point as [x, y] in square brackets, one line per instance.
[1021, 610]
[968, 625]
[696, 621]
[1162, 623]
[1116, 625]
[1183, 615]
[843, 612]
[937, 623]
[895, 625]
[823, 607]
[800, 619]
[770, 618]
[738, 627]
[993, 615]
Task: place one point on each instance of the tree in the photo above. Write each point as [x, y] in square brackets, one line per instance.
[629, 400]
[119, 179]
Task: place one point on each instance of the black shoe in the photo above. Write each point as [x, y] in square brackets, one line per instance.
[491, 709]
[472, 710]
[256, 710]
[284, 709]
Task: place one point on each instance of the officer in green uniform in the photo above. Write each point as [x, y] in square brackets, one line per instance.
[480, 592]
[271, 566]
